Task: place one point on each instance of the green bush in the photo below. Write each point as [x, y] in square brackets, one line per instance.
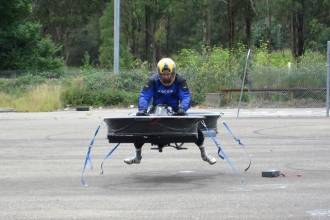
[211, 70]
[278, 70]
[208, 70]
[103, 89]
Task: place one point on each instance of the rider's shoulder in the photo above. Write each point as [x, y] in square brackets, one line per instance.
[151, 81]
[181, 80]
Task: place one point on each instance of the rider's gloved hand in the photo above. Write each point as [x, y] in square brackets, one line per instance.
[180, 112]
[142, 113]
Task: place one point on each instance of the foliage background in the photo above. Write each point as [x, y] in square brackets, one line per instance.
[65, 48]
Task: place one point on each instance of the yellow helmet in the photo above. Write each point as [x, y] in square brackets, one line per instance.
[166, 65]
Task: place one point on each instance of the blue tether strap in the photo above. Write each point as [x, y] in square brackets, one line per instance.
[108, 156]
[239, 142]
[88, 161]
[220, 150]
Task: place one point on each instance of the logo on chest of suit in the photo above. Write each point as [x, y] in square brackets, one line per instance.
[165, 91]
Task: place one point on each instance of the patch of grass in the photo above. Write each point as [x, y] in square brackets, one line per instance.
[41, 98]
[6, 101]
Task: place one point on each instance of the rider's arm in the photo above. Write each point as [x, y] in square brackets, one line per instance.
[184, 95]
[146, 94]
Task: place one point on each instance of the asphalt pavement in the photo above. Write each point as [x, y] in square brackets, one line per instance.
[42, 155]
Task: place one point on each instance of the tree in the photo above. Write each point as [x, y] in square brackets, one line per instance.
[249, 13]
[292, 16]
[231, 13]
[21, 45]
[207, 22]
[297, 25]
[151, 29]
[106, 44]
[66, 20]
[316, 25]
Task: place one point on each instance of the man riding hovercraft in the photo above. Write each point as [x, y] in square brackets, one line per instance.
[166, 88]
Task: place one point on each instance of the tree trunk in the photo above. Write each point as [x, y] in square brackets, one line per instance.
[168, 35]
[207, 23]
[293, 35]
[300, 30]
[297, 30]
[66, 47]
[248, 21]
[134, 51]
[147, 32]
[153, 43]
[231, 24]
[269, 27]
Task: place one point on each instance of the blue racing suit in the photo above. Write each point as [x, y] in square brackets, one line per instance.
[176, 95]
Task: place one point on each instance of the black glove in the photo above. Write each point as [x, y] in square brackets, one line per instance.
[142, 113]
[180, 112]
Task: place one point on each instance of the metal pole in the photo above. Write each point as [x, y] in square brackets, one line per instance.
[242, 87]
[328, 79]
[116, 29]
